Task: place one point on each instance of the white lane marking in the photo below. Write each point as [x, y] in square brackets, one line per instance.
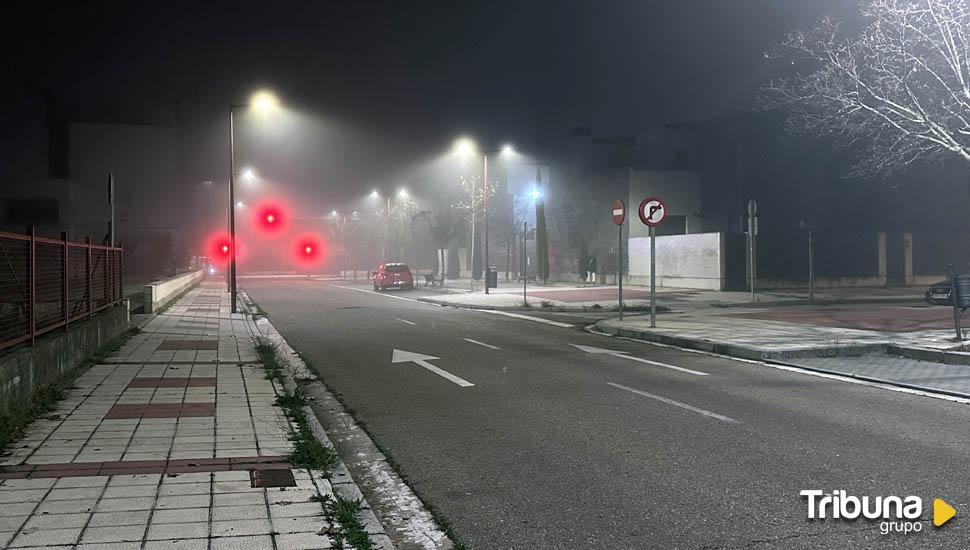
[401, 356]
[490, 346]
[412, 323]
[527, 317]
[841, 378]
[623, 355]
[384, 294]
[676, 403]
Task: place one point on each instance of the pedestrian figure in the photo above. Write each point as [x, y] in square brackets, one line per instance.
[591, 270]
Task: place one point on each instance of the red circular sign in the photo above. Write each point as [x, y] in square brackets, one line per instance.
[619, 212]
[653, 211]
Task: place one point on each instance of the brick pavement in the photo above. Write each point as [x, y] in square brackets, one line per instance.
[169, 443]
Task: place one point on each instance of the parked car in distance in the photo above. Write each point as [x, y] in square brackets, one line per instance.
[394, 275]
[939, 294]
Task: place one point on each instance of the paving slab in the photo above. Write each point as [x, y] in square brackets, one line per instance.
[153, 447]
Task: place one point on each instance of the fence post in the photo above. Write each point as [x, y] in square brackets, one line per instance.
[121, 272]
[66, 275]
[32, 298]
[87, 270]
[107, 276]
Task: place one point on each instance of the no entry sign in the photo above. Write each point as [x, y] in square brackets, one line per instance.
[653, 211]
[619, 212]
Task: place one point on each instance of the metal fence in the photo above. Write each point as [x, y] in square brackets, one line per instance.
[46, 284]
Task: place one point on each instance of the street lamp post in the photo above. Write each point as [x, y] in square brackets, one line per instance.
[463, 147]
[232, 212]
[263, 101]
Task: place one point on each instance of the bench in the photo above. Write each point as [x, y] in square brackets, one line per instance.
[430, 279]
[531, 279]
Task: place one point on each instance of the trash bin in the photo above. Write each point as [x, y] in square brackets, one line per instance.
[491, 277]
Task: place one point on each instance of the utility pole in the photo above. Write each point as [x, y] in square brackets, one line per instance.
[525, 264]
[232, 215]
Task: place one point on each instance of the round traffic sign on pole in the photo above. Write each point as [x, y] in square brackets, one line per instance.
[619, 211]
[653, 211]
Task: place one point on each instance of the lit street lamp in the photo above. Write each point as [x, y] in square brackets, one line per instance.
[262, 102]
[465, 147]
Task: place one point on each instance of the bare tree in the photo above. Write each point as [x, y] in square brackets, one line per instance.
[899, 90]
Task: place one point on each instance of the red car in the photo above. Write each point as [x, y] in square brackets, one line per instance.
[393, 276]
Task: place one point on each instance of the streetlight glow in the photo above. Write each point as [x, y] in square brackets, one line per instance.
[374, 194]
[264, 102]
[464, 147]
[249, 174]
[240, 204]
[508, 150]
[333, 213]
[402, 194]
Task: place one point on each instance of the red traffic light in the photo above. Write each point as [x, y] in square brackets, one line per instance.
[269, 217]
[309, 250]
[219, 248]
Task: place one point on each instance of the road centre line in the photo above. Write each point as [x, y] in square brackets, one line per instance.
[384, 294]
[412, 323]
[676, 403]
[490, 346]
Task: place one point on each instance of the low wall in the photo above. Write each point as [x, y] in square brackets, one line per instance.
[159, 294]
[24, 369]
[683, 261]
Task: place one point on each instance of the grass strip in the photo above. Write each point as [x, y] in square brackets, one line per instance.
[346, 529]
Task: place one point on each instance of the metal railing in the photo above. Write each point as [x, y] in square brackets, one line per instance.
[46, 284]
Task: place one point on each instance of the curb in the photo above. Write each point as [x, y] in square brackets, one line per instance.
[534, 309]
[805, 302]
[779, 358]
[932, 355]
[743, 352]
[400, 520]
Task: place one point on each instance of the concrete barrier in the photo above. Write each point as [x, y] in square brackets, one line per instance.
[159, 294]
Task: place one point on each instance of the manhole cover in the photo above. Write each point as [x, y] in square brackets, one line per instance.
[272, 478]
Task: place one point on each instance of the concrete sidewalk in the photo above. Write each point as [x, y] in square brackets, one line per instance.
[571, 297]
[866, 354]
[172, 442]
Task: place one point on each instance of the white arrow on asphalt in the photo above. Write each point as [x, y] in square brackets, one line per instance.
[401, 356]
[623, 354]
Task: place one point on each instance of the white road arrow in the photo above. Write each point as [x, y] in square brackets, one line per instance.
[623, 354]
[401, 356]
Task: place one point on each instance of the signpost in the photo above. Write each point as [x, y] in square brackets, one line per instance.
[752, 234]
[653, 212]
[619, 215]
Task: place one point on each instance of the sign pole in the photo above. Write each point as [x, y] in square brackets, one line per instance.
[525, 263]
[653, 212]
[752, 224]
[653, 277]
[619, 268]
[619, 216]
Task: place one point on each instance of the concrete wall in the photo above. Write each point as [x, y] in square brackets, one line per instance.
[159, 294]
[684, 261]
[25, 369]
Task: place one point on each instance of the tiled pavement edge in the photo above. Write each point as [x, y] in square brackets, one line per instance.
[172, 442]
[408, 523]
[857, 354]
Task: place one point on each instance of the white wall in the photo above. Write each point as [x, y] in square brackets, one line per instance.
[684, 261]
[159, 294]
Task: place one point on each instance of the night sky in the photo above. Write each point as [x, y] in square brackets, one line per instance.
[379, 84]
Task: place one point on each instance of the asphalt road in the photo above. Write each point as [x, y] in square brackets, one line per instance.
[555, 447]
